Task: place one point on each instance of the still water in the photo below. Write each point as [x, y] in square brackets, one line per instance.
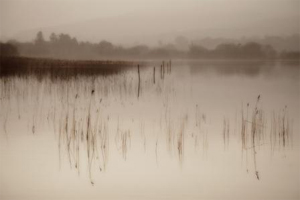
[189, 130]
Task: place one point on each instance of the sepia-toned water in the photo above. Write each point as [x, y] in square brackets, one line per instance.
[187, 130]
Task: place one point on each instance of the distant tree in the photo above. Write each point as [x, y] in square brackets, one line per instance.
[290, 55]
[104, 47]
[197, 51]
[181, 43]
[252, 50]
[269, 51]
[139, 50]
[64, 46]
[288, 43]
[66, 40]
[39, 40]
[227, 51]
[40, 45]
[159, 52]
[53, 38]
[7, 49]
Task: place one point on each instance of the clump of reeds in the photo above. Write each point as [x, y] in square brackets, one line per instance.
[165, 68]
[255, 137]
[73, 111]
[254, 132]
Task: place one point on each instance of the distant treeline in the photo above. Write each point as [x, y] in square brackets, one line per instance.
[63, 46]
[280, 43]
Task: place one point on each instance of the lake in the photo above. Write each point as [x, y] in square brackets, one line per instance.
[173, 130]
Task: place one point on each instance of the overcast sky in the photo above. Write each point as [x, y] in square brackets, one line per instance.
[235, 18]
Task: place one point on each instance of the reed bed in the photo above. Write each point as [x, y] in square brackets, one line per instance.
[40, 67]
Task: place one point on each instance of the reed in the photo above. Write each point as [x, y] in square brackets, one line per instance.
[139, 81]
[280, 132]
[153, 75]
[226, 135]
[180, 142]
[253, 136]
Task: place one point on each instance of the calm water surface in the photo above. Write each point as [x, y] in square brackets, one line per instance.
[203, 130]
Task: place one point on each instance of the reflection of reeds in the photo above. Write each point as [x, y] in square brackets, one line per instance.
[139, 81]
[257, 133]
[156, 150]
[104, 138]
[253, 134]
[180, 139]
[153, 75]
[244, 134]
[226, 136]
[180, 142]
[66, 112]
[5, 122]
[200, 122]
[76, 113]
[169, 129]
[123, 140]
[143, 135]
[125, 137]
[280, 132]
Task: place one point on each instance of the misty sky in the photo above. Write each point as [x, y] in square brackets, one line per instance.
[140, 20]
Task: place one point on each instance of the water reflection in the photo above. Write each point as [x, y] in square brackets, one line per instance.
[99, 120]
[246, 68]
